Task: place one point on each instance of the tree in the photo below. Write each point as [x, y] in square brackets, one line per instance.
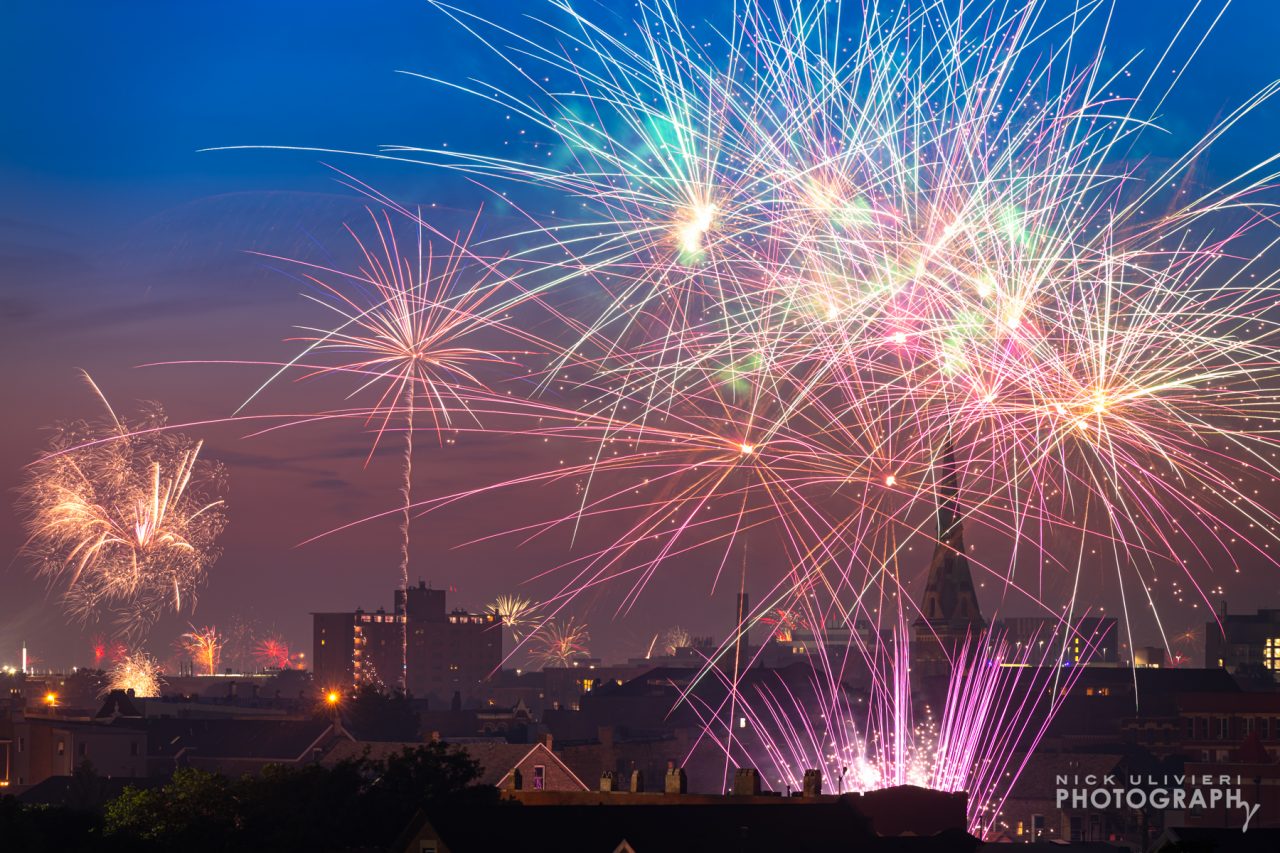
[356, 805]
[195, 811]
[374, 715]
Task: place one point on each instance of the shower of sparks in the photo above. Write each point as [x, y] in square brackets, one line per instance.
[136, 671]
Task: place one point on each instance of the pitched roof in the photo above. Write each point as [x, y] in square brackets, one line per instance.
[497, 758]
[57, 790]
[118, 704]
[286, 740]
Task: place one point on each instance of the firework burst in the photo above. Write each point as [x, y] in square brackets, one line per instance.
[124, 518]
[516, 613]
[136, 671]
[559, 643]
[673, 640]
[204, 647]
[412, 331]
[273, 653]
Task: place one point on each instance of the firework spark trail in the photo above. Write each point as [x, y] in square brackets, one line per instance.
[127, 527]
[999, 700]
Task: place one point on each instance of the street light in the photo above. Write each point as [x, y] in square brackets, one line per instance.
[51, 699]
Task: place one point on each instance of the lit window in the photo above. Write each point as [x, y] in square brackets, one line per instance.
[539, 777]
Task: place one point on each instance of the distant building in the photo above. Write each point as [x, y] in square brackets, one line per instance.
[1073, 645]
[1245, 644]
[122, 741]
[449, 651]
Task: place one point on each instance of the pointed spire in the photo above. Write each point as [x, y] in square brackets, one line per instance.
[950, 601]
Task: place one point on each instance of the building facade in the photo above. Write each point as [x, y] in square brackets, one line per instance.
[448, 651]
[1245, 644]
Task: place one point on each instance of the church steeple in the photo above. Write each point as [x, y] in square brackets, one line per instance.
[950, 605]
[949, 611]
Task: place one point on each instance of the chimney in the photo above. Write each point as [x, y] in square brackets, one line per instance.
[637, 781]
[607, 783]
[676, 782]
[746, 782]
[813, 783]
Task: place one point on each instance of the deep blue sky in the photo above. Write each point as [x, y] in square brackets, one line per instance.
[121, 243]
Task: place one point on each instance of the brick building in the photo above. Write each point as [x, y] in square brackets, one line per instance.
[449, 651]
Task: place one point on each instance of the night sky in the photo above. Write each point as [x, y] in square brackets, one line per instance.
[122, 243]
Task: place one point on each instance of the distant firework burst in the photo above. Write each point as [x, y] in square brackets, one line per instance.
[106, 650]
[516, 613]
[136, 671]
[673, 640]
[204, 647]
[559, 643]
[273, 653]
[123, 517]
